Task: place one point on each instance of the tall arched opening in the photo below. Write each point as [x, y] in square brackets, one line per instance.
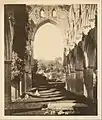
[48, 42]
[48, 49]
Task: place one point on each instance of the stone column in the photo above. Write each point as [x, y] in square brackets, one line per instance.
[72, 74]
[66, 78]
[79, 82]
[79, 68]
[7, 55]
[23, 84]
[88, 79]
[16, 91]
[18, 88]
[27, 74]
[7, 82]
[72, 81]
[90, 50]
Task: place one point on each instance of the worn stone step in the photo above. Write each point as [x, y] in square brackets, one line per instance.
[48, 90]
[41, 99]
[50, 93]
[50, 96]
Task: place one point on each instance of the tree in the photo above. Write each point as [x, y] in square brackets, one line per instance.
[35, 67]
[16, 66]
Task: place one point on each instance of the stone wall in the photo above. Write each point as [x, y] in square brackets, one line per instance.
[57, 15]
[76, 22]
[82, 38]
[8, 39]
[78, 27]
[15, 37]
[81, 19]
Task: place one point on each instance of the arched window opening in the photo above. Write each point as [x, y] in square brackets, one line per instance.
[42, 13]
[47, 38]
[53, 13]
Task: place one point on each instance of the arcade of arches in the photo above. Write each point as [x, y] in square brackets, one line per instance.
[80, 45]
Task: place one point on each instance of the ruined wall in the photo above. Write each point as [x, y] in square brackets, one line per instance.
[8, 40]
[82, 38]
[81, 19]
[42, 14]
[72, 20]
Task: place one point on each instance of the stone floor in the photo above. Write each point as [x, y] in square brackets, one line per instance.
[53, 100]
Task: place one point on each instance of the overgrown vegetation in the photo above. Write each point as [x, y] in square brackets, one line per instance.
[16, 67]
[53, 69]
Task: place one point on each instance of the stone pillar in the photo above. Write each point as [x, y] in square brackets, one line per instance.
[23, 84]
[27, 74]
[90, 49]
[18, 88]
[7, 55]
[79, 68]
[66, 78]
[72, 81]
[88, 79]
[32, 73]
[16, 91]
[7, 82]
[72, 74]
[79, 82]
[28, 81]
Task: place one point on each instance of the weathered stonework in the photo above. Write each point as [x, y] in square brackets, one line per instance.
[60, 20]
[82, 39]
[81, 20]
[8, 40]
[74, 21]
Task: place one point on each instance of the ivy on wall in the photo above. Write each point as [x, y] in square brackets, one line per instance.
[16, 67]
[19, 42]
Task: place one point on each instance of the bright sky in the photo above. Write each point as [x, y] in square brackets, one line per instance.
[48, 43]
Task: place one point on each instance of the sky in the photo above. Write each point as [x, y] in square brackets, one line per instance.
[48, 43]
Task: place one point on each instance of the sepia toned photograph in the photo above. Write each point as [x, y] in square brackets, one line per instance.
[50, 60]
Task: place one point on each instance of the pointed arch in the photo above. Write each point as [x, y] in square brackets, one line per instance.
[42, 23]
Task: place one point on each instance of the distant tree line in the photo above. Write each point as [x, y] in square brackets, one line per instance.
[52, 67]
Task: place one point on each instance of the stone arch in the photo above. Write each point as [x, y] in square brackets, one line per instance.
[33, 38]
[90, 47]
[91, 51]
[82, 48]
[41, 24]
[34, 32]
[8, 31]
